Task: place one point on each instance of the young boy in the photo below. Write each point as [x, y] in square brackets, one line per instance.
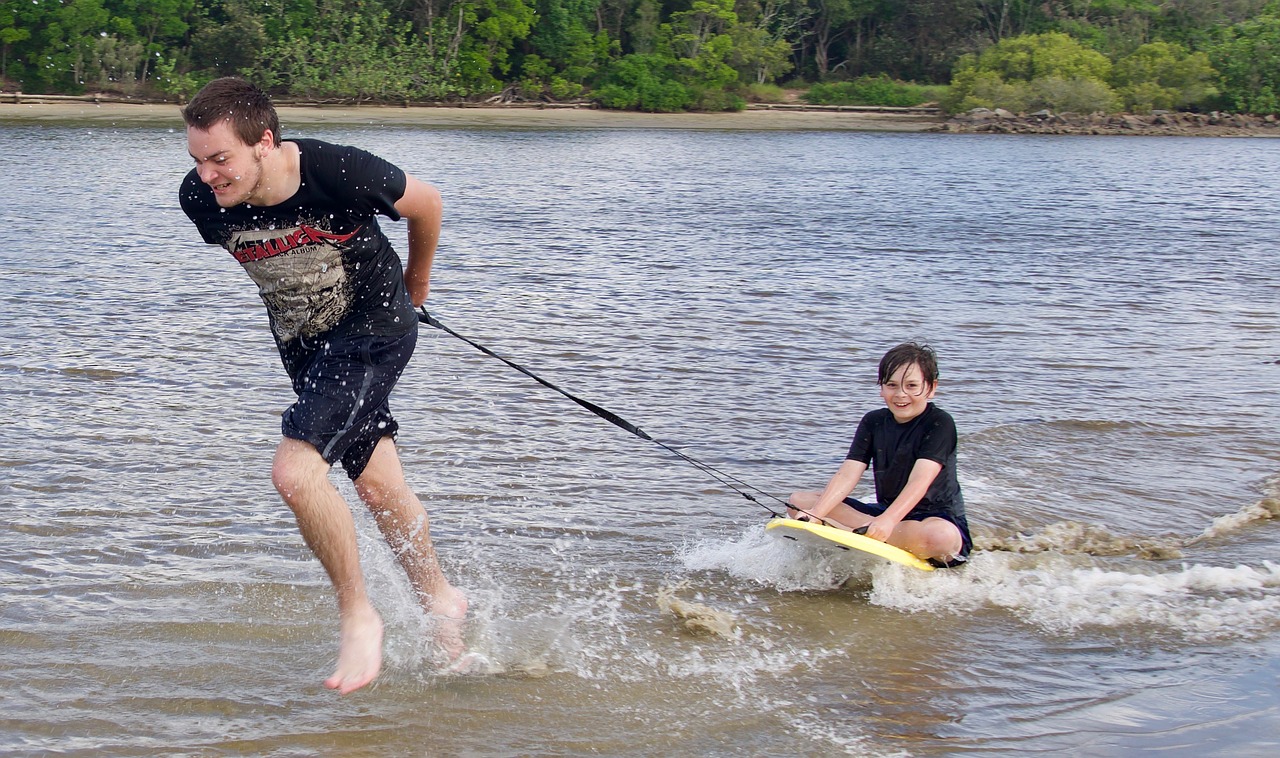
[912, 444]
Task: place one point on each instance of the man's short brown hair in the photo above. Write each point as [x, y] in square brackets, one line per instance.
[246, 108]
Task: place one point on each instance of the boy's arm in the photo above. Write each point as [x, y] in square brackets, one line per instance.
[922, 475]
[421, 206]
[845, 479]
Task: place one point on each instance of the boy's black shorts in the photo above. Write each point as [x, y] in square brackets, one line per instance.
[342, 386]
[961, 523]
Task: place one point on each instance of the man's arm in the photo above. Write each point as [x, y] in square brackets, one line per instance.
[421, 207]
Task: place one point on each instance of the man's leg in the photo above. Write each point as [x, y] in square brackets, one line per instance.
[301, 477]
[403, 523]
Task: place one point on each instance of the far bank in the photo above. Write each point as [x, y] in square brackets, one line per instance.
[129, 114]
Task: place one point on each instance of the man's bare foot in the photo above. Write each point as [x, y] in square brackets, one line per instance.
[359, 652]
[449, 614]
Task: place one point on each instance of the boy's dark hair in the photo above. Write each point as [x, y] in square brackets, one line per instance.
[906, 354]
[246, 108]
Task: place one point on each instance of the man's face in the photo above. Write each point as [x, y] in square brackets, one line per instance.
[231, 168]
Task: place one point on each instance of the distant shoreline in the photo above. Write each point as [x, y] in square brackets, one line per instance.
[131, 114]
[760, 118]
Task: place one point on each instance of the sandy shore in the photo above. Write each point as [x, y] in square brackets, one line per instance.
[550, 118]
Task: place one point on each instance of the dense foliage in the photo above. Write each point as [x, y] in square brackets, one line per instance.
[663, 55]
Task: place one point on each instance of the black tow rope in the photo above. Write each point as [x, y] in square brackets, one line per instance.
[613, 418]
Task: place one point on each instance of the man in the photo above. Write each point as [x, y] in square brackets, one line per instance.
[300, 217]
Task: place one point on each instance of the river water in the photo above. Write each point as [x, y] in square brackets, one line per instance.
[1107, 316]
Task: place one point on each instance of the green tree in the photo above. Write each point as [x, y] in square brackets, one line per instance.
[831, 21]
[701, 41]
[1033, 56]
[494, 28]
[14, 29]
[230, 38]
[645, 82]
[764, 39]
[70, 41]
[1248, 59]
[565, 53]
[644, 25]
[757, 55]
[355, 50]
[158, 23]
[1163, 75]
[1048, 70]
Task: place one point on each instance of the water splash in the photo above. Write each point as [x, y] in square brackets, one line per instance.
[697, 617]
[782, 564]
[1265, 509]
[1198, 603]
[1086, 539]
[1071, 537]
[1057, 591]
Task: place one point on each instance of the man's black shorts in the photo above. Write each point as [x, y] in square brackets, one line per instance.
[961, 523]
[343, 386]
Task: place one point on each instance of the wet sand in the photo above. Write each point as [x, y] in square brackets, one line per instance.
[507, 117]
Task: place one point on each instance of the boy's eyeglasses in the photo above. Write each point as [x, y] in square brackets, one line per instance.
[911, 389]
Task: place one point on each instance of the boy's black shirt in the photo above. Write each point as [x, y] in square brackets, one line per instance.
[892, 449]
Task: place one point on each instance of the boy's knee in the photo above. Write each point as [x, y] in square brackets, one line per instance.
[942, 540]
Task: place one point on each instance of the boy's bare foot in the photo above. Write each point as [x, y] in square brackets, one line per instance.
[359, 652]
[449, 614]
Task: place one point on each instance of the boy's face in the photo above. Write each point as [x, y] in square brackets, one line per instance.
[907, 393]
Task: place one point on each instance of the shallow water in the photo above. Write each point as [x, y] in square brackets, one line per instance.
[1106, 314]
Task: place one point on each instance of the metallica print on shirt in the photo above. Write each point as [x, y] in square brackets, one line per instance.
[320, 260]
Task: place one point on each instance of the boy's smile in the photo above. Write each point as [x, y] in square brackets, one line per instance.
[906, 393]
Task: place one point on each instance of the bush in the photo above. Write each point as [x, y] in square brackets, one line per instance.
[764, 93]
[642, 82]
[713, 100]
[977, 89]
[1035, 56]
[1163, 75]
[1030, 72]
[1248, 58]
[1079, 95]
[870, 90]
[1145, 97]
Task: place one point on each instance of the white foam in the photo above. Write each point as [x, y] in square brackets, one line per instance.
[1195, 602]
[766, 560]
[1057, 594]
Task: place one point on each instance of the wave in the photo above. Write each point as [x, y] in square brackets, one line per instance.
[1266, 509]
[1065, 580]
[1070, 537]
[1195, 603]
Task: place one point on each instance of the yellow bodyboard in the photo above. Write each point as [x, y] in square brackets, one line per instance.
[831, 536]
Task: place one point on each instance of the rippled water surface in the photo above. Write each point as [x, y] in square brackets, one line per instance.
[1106, 315]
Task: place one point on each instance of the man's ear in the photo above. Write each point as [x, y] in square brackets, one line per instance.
[265, 144]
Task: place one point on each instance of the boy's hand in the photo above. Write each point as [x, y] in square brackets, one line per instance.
[880, 528]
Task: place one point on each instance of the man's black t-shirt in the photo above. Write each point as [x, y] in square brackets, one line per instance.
[894, 448]
[320, 260]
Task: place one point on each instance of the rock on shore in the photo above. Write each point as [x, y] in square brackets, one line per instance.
[1215, 124]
